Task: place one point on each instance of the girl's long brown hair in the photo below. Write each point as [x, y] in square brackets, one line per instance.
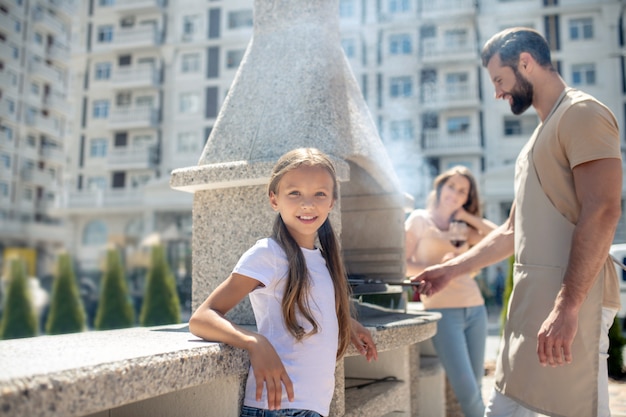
[297, 287]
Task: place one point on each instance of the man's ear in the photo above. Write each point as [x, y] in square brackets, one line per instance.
[526, 62]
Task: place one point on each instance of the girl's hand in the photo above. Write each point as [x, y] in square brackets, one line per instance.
[362, 341]
[270, 372]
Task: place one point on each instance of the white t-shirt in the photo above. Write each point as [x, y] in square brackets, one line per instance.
[310, 363]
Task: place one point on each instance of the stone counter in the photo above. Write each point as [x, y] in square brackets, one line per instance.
[105, 372]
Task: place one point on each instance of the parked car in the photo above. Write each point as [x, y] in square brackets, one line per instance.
[618, 251]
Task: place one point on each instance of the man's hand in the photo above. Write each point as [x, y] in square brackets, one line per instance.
[432, 280]
[555, 338]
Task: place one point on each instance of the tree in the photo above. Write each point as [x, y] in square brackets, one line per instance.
[115, 310]
[616, 347]
[508, 289]
[67, 314]
[19, 318]
[160, 304]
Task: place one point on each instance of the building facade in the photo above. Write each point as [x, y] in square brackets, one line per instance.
[35, 125]
[148, 78]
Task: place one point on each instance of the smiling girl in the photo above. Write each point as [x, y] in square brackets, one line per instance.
[299, 293]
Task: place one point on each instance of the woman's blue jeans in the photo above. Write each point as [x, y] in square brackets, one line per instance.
[288, 412]
[460, 345]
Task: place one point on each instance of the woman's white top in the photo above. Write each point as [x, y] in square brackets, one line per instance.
[310, 363]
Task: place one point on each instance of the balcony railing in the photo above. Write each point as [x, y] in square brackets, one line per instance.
[125, 158]
[53, 155]
[47, 125]
[449, 94]
[435, 140]
[135, 77]
[8, 109]
[137, 5]
[57, 102]
[133, 118]
[7, 52]
[37, 177]
[101, 199]
[47, 72]
[138, 37]
[6, 142]
[43, 19]
[437, 48]
[58, 52]
[447, 6]
[6, 172]
[8, 81]
[64, 6]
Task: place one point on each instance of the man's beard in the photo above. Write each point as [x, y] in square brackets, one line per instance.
[521, 95]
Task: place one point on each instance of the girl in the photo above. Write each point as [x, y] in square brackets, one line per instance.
[462, 330]
[299, 294]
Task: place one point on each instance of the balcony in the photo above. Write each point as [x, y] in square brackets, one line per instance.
[57, 101]
[10, 53]
[101, 199]
[7, 21]
[434, 50]
[44, 20]
[137, 37]
[435, 143]
[133, 118]
[125, 158]
[135, 77]
[138, 6]
[8, 109]
[58, 52]
[8, 81]
[37, 177]
[446, 8]
[47, 125]
[68, 8]
[449, 95]
[53, 154]
[6, 172]
[48, 73]
[7, 143]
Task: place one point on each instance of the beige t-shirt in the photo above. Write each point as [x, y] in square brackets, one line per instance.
[586, 132]
[432, 245]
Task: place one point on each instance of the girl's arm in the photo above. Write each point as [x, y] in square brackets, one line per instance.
[362, 340]
[411, 241]
[209, 323]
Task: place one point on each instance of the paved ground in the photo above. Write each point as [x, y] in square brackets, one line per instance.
[617, 389]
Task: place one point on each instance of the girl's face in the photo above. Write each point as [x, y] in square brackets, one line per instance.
[454, 192]
[304, 200]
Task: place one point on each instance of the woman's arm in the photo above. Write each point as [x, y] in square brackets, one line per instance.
[480, 227]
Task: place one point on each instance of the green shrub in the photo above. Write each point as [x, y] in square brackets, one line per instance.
[160, 304]
[115, 310]
[19, 318]
[67, 314]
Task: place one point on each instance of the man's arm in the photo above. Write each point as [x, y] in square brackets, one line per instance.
[598, 189]
[497, 245]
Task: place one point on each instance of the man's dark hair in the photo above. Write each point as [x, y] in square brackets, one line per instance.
[510, 43]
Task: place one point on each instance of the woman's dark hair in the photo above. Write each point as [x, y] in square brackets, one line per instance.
[297, 287]
[510, 43]
[472, 205]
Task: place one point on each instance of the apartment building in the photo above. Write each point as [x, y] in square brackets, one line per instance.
[35, 124]
[149, 77]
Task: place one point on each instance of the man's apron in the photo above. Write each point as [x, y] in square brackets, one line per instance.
[542, 244]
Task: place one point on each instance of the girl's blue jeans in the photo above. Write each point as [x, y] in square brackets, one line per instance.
[288, 412]
[460, 345]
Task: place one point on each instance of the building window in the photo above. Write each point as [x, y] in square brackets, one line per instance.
[5, 161]
[144, 101]
[96, 183]
[215, 16]
[233, 58]
[240, 19]
[346, 9]
[187, 142]
[190, 25]
[213, 62]
[400, 87]
[211, 102]
[401, 130]
[95, 233]
[101, 109]
[4, 190]
[38, 38]
[580, 29]
[124, 60]
[118, 179]
[102, 71]
[458, 125]
[583, 74]
[399, 6]
[189, 103]
[123, 99]
[349, 47]
[105, 34]
[98, 147]
[400, 44]
[190, 63]
[456, 38]
[106, 3]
